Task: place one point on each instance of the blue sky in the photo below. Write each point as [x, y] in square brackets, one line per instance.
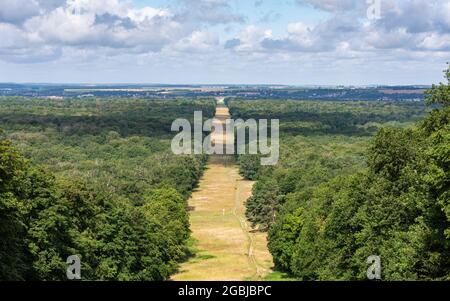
[224, 41]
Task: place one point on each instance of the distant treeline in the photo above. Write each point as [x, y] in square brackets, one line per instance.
[387, 93]
[314, 117]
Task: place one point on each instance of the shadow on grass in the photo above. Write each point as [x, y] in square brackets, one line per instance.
[280, 276]
[193, 254]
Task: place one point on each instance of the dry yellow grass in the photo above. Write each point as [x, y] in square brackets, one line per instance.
[227, 249]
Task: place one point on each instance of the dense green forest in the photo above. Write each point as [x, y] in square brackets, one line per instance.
[356, 118]
[339, 195]
[96, 178]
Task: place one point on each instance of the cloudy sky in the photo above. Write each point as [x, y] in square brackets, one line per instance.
[224, 41]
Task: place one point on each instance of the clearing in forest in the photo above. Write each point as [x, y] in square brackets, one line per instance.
[225, 246]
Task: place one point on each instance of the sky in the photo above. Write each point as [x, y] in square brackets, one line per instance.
[293, 42]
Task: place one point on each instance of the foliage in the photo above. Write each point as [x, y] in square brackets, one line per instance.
[249, 166]
[332, 217]
[100, 182]
[263, 204]
[310, 118]
[440, 94]
[395, 210]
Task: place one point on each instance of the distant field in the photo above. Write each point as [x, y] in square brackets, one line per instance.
[400, 91]
[255, 92]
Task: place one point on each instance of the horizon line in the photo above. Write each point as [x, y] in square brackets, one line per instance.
[212, 85]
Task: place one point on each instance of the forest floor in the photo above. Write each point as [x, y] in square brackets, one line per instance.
[224, 245]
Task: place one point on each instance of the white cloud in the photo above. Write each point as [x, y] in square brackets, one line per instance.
[209, 11]
[45, 30]
[94, 23]
[114, 24]
[333, 5]
[198, 41]
[16, 11]
[12, 37]
[410, 26]
[250, 39]
[435, 42]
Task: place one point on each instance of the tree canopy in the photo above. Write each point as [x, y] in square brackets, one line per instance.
[330, 218]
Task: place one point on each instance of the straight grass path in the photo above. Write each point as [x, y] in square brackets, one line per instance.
[225, 247]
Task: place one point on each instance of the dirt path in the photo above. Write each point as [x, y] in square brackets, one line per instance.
[226, 247]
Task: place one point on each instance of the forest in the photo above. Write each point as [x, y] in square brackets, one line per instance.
[355, 179]
[95, 178]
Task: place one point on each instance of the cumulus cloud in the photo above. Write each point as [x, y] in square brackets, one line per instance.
[16, 11]
[114, 24]
[209, 11]
[333, 5]
[198, 41]
[413, 25]
[250, 40]
[325, 36]
[417, 16]
[300, 37]
[42, 30]
[87, 23]
[436, 42]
